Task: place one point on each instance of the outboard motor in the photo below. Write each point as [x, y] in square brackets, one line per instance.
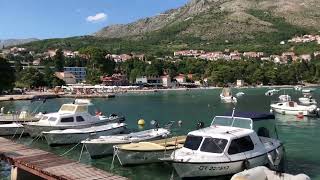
[200, 125]
[155, 124]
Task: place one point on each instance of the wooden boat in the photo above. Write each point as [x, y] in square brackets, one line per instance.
[147, 152]
[103, 145]
[73, 136]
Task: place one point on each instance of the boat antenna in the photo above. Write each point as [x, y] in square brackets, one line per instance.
[234, 109]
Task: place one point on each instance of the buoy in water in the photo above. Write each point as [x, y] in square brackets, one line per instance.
[141, 122]
[300, 115]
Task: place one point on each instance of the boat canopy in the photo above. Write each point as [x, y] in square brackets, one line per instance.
[241, 119]
[73, 108]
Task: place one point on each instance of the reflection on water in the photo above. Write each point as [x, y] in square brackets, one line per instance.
[299, 135]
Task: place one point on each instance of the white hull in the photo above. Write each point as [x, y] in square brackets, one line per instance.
[293, 112]
[73, 138]
[228, 99]
[198, 169]
[6, 130]
[36, 130]
[103, 149]
[140, 157]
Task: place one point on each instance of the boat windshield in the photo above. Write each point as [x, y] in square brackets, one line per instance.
[193, 142]
[233, 122]
[213, 145]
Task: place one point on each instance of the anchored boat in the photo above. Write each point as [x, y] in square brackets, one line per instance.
[225, 149]
[292, 108]
[73, 136]
[147, 152]
[103, 145]
[226, 96]
[11, 129]
[70, 116]
[307, 100]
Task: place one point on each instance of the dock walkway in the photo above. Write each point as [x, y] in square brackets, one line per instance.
[45, 165]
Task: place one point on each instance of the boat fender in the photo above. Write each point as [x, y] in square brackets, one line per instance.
[246, 164]
[270, 161]
[256, 174]
[141, 122]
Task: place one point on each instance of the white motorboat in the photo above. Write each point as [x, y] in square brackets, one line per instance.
[284, 98]
[73, 136]
[11, 129]
[70, 116]
[147, 152]
[271, 92]
[292, 108]
[224, 150]
[226, 96]
[308, 90]
[263, 173]
[239, 94]
[103, 145]
[307, 100]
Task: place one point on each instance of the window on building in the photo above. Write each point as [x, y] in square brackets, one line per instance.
[193, 142]
[241, 145]
[68, 119]
[79, 119]
[213, 145]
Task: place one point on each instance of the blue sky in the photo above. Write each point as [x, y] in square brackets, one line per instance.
[64, 18]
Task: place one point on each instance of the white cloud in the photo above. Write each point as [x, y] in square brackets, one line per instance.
[96, 18]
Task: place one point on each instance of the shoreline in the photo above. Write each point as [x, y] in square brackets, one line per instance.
[47, 95]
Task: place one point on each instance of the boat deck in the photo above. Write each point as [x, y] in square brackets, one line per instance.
[48, 165]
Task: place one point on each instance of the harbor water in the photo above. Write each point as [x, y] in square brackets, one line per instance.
[300, 136]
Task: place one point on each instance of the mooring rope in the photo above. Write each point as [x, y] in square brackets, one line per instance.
[70, 149]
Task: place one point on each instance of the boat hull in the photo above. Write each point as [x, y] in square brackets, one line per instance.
[54, 139]
[293, 112]
[185, 169]
[10, 131]
[36, 130]
[97, 150]
[140, 157]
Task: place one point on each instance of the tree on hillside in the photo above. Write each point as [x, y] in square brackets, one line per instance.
[7, 76]
[59, 61]
[18, 68]
[31, 78]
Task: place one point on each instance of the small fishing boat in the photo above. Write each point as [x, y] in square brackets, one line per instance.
[284, 98]
[226, 96]
[70, 116]
[224, 150]
[73, 136]
[292, 108]
[11, 129]
[239, 94]
[103, 145]
[263, 173]
[147, 152]
[271, 92]
[307, 100]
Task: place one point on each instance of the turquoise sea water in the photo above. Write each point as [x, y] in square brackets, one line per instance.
[301, 136]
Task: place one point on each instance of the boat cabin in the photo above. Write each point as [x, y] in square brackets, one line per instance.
[262, 123]
[223, 140]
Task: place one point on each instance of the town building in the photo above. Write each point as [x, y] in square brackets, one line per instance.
[67, 77]
[80, 73]
[166, 81]
[149, 80]
[180, 79]
[115, 80]
[240, 83]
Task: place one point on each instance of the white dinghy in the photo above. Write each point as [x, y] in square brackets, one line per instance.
[263, 173]
[222, 150]
[226, 96]
[73, 136]
[292, 108]
[103, 145]
[271, 92]
[284, 98]
[70, 116]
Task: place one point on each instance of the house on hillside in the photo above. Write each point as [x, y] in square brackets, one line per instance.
[115, 80]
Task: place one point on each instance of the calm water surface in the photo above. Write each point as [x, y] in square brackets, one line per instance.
[301, 137]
